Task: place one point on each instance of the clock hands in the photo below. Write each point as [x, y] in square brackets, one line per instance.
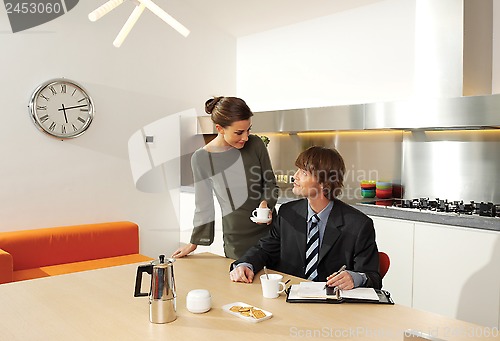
[64, 111]
[76, 106]
[67, 108]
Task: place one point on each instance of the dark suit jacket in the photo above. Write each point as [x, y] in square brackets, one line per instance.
[349, 239]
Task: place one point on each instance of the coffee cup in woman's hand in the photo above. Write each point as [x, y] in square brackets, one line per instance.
[261, 213]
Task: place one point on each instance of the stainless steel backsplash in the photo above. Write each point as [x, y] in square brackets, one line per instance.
[367, 155]
[452, 164]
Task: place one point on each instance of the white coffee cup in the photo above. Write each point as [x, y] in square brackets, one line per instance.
[271, 285]
[261, 213]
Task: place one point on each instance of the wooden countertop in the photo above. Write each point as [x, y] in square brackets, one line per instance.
[99, 305]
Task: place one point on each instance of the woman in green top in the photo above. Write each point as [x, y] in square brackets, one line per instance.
[237, 168]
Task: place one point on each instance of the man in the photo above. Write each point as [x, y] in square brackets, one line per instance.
[315, 237]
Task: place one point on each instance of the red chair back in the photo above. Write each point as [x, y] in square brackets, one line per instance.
[384, 263]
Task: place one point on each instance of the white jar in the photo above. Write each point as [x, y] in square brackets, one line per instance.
[198, 301]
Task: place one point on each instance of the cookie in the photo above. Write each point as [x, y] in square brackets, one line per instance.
[258, 314]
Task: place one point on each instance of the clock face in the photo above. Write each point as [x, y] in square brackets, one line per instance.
[61, 108]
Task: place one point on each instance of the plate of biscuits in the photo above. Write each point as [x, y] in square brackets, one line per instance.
[247, 312]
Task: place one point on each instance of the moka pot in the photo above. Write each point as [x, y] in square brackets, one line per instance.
[162, 295]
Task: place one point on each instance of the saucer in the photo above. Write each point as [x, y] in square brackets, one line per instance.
[262, 221]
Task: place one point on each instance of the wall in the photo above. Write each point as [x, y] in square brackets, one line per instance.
[496, 48]
[356, 56]
[46, 182]
[368, 54]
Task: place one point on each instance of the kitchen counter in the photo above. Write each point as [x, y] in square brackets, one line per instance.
[471, 221]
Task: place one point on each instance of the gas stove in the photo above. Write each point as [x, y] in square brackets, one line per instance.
[443, 206]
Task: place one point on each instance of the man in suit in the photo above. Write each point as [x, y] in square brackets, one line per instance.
[314, 237]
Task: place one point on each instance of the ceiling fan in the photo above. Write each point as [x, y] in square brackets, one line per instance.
[134, 16]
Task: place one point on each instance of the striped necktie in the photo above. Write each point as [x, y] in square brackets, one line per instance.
[312, 249]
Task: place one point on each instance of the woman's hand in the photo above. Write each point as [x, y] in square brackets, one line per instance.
[184, 250]
[263, 204]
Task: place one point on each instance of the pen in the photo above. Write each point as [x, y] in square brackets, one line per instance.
[335, 274]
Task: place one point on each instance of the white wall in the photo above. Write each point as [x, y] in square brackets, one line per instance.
[495, 88]
[46, 182]
[361, 55]
[367, 54]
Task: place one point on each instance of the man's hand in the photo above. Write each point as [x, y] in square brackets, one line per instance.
[241, 274]
[342, 280]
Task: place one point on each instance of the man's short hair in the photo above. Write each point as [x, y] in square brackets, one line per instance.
[327, 166]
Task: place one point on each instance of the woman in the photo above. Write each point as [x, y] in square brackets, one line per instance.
[237, 168]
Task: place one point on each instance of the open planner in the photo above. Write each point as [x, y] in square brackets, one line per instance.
[315, 292]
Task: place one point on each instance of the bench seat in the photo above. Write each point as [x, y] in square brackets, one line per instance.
[37, 253]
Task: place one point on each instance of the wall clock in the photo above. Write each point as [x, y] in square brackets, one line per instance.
[61, 108]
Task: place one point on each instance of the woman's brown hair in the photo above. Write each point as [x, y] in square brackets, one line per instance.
[327, 166]
[227, 110]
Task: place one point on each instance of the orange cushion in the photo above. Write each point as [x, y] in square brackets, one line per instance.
[22, 275]
[53, 270]
[6, 267]
[58, 245]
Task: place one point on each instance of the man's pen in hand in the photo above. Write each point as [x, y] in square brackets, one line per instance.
[335, 274]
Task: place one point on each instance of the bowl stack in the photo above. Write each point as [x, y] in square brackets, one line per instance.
[368, 188]
[383, 190]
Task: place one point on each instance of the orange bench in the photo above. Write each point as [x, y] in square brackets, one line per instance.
[29, 254]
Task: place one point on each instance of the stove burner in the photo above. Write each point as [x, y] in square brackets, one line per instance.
[459, 207]
[487, 210]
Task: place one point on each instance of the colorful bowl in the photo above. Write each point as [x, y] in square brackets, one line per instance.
[384, 185]
[367, 184]
[368, 193]
[383, 193]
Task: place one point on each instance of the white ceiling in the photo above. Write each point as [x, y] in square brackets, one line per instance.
[243, 17]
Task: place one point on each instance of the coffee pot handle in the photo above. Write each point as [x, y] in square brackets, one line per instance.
[138, 279]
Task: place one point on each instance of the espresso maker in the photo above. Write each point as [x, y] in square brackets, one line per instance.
[162, 304]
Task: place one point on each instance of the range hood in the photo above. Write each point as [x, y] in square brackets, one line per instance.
[470, 112]
[474, 112]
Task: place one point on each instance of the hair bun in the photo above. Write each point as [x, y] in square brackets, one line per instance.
[211, 103]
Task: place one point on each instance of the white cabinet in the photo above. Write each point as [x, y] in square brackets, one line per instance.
[449, 270]
[457, 272]
[395, 237]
